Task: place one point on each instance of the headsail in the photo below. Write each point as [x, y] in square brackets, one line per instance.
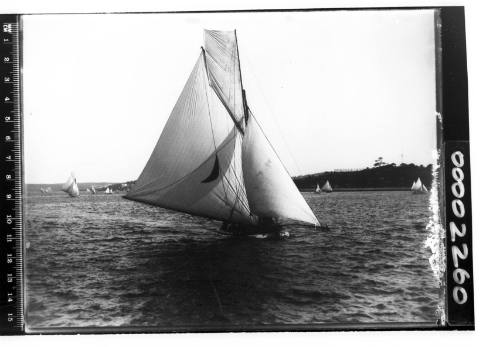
[71, 187]
[270, 190]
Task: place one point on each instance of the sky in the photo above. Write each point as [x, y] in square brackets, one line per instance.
[332, 90]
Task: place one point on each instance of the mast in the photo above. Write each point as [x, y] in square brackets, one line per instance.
[235, 121]
[243, 93]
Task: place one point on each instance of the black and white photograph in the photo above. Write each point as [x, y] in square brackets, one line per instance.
[233, 171]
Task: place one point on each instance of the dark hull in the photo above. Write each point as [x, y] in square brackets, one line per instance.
[256, 231]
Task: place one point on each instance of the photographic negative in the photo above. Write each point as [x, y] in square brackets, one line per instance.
[241, 171]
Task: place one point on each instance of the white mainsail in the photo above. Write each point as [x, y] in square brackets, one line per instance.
[418, 184]
[71, 187]
[318, 189]
[413, 186]
[92, 190]
[107, 191]
[212, 159]
[327, 187]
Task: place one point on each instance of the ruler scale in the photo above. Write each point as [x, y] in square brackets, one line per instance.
[11, 180]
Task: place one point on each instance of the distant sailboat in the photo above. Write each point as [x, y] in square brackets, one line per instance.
[108, 191]
[327, 188]
[71, 187]
[318, 189]
[213, 159]
[92, 190]
[418, 187]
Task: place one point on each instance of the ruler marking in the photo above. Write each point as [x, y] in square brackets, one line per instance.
[11, 285]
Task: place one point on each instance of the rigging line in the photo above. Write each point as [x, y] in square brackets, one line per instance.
[269, 142]
[232, 166]
[233, 117]
[268, 106]
[210, 116]
[235, 58]
[184, 103]
[239, 66]
[208, 104]
[238, 191]
[142, 191]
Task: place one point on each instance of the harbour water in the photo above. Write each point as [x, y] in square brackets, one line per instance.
[103, 261]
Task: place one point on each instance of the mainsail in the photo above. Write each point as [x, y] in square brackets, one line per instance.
[418, 185]
[327, 187]
[318, 189]
[71, 187]
[212, 158]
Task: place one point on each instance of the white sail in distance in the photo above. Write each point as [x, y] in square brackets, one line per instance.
[71, 187]
[327, 187]
[212, 159]
[418, 187]
[418, 184]
[318, 189]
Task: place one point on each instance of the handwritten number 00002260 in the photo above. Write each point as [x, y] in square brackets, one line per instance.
[457, 232]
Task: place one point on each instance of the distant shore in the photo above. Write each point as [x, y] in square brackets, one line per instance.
[389, 189]
[387, 177]
[383, 177]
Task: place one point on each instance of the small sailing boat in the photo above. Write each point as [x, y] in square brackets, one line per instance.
[418, 187]
[327, 188]
[213, 159]
[92, 190]
[318, 189]
[71, 187]
[108, 191]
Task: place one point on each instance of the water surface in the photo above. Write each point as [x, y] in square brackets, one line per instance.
[101, 260]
